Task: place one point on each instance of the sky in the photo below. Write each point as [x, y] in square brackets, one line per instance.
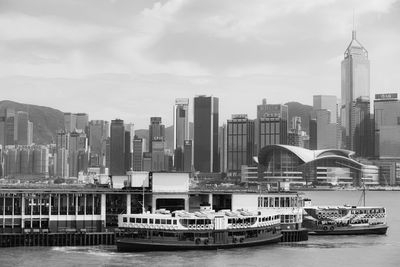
[130, 59]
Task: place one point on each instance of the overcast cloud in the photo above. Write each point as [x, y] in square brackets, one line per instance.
[131, 59]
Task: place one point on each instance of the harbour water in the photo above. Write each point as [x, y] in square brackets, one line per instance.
[372, 250]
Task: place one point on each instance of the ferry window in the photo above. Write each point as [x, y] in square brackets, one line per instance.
[259, 201]
[277, 202]
[271, 201]
[132, 220]
[163, 221]
[282, 202]
[151, 221]
[157, 221]
[124, 219]
[287, 219]
[138, 220]
[208, 221]
[144, 220]
[265, 202]
[229, 220]
[168, 221]
[174, 222]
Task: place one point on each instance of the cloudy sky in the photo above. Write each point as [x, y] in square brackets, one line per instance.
[130, 59]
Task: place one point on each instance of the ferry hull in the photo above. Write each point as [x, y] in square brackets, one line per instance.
[135, 245]
[367, 230]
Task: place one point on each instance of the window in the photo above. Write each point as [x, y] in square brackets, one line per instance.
[132, 220]
[168, 221]
[163, 221]
[151, 221]
[144, 220]
[157, 221]
[138, 220]
[124, 219]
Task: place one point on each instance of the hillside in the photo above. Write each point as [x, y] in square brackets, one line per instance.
[46, 121]
[303, 111]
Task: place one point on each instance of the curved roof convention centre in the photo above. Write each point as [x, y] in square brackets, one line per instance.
[307, 155]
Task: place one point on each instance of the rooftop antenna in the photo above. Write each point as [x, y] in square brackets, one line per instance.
[354, 26]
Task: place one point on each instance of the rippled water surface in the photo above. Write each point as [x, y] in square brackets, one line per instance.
[372, 250]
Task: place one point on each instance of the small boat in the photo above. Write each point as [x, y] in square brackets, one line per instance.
[345, 220]
[180, 230]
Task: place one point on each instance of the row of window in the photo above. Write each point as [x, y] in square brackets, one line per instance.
[277, 202]
[150, 221]
[269, 218]
[369, 211]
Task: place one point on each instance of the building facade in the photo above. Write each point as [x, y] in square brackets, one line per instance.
[387, 126]
[272, 125]
[240, 143]
[355, 72]
[206, 134]
[98, 133]
[295, 165]
[117, 147]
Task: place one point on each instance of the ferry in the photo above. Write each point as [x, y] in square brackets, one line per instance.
[201, 230]
[345, 220]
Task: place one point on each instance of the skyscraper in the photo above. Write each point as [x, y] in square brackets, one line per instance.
[98, 134]
[69, 121]
[23, 129]
[74, 121]
[206, 134]
[188, 159]
[181, 130]
[387, 126]
[355, 85]
[78, 157]
[181, 122]
[10, 134]
[327, 132]
[129, 136]
[272, 125]
[138, 149]
[240, 143]
[156, 131]
[117, 147]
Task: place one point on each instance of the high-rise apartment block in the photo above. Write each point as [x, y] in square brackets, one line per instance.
[240, 143]
[15, 128]
[206, 134]
[26, 161]
[23, 129]
[76, 121]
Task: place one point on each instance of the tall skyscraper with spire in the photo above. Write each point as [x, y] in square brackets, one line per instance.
[355, 95]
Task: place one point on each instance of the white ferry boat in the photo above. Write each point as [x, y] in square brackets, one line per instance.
[345, 220]
[205, 229]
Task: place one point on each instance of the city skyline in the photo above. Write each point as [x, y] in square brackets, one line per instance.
[117, 67]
